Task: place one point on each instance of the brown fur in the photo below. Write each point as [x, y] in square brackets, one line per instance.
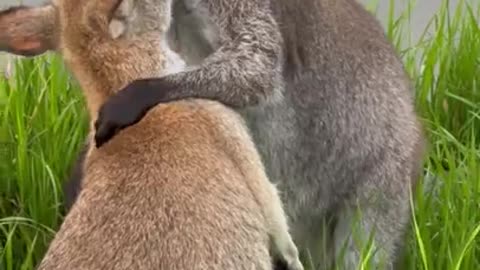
[182, 189]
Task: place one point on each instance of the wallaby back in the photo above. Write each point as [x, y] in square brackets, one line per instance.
[183, 189]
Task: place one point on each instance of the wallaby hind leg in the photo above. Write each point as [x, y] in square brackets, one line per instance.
[372, 227]
[282, 240]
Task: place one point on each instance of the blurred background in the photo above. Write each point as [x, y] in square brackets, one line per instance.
[423, 11]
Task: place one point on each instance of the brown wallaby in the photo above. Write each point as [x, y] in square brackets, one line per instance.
[183, 189]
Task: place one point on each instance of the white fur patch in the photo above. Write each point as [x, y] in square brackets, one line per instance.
[174, 63]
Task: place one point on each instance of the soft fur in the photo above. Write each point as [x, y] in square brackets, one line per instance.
[183, 189]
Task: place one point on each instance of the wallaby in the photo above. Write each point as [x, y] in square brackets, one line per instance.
[326, 99]
[185, 188]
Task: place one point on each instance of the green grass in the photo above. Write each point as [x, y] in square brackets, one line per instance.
[43, 125]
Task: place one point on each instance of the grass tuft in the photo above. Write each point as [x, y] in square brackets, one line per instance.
[42, 126]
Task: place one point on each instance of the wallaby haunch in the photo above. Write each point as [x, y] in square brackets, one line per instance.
[183, 189]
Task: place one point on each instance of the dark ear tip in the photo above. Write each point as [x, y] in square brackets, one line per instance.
[28, 52]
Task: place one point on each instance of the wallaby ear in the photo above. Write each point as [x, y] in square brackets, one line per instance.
[29, 31]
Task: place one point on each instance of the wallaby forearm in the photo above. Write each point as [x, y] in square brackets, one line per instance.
[241, 76]
[244, 71]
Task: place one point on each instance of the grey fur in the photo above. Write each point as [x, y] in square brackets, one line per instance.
[328, 102]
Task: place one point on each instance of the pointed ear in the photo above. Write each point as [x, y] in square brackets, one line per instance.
[29, 31]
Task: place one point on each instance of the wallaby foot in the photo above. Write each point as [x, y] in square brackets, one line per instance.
[288, 251]
[283, 243]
